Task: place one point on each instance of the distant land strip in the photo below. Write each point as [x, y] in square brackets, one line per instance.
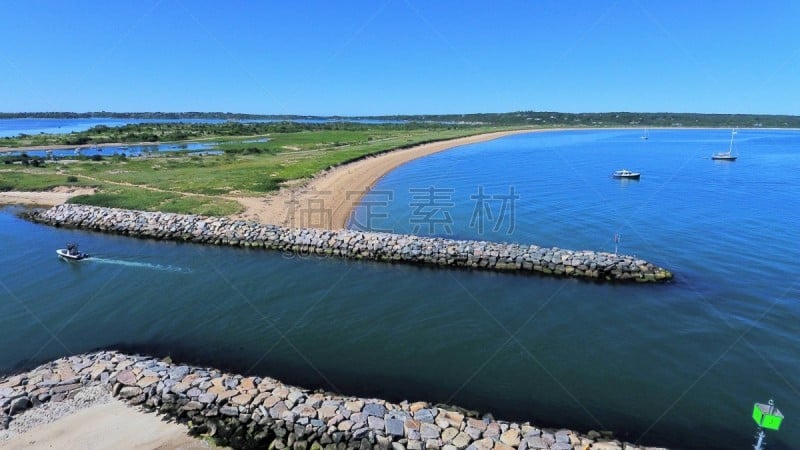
[528, 117]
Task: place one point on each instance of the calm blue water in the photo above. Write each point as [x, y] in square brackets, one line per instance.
[677, 364]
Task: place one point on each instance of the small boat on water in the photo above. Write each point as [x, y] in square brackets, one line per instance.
[723, 157]
[625, 173]
[726, 156]
[71, 252]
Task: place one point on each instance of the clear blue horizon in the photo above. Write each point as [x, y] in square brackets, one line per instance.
[401, 57]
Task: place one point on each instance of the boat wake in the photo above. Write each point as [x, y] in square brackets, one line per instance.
[141, 265]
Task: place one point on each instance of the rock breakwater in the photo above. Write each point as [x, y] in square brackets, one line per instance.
[356, 244]
[261, 412]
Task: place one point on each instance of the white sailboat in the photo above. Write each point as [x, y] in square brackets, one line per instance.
[726, 156]
[645, 135]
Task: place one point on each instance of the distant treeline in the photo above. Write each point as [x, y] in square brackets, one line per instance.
[146, 115]
[172, 132]
[538, 118]
[611, 119]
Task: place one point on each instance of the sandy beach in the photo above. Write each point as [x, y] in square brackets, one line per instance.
[324, 201]
[110, 425]
[93, 419]
[52, 197]
[327, 200]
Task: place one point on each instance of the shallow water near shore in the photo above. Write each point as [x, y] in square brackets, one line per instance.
[678, 364]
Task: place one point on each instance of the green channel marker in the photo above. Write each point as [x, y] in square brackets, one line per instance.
[766, 416]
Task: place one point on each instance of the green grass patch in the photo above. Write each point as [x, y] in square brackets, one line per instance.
[148, 200]
[290, 155]
[38, 180]
[125, 198]
[201, 205]
[306, 154]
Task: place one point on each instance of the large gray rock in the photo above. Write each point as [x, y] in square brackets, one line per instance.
[177, 373]
[482, 444]
[206, 398]
[394, 427]
[429, 431]
[425, 415]
[461, 441]
[19, 405]
[374, 409]
[375, 423]
[563, 446]
[130, 391]
[6, 392]
[536, 442]
[193, 406]
[229, 411]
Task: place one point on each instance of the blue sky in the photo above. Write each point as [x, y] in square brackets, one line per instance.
[401, 56]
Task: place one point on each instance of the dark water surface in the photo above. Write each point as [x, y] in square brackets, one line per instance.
[677, 364]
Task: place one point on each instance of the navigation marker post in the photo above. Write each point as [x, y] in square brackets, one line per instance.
[766, 416]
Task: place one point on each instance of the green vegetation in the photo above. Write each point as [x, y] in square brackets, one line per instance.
[249, 166]
[260, 157]
[40, 179]
[178, 132]
[148, 200]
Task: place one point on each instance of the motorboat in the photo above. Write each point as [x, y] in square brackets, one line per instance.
[625, 173]
[71, 252]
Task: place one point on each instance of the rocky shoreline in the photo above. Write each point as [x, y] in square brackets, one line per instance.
[261, 412]
[353, 244]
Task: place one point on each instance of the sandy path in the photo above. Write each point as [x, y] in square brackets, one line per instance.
[328, 199]
[52, 197]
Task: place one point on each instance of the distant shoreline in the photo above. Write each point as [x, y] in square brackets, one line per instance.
[133, 144]
[150, 143]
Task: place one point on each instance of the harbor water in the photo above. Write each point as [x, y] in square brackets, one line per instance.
[678, 364]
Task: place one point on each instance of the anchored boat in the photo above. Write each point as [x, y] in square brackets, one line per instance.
[71, 252]
[726, 156]
[625, 173]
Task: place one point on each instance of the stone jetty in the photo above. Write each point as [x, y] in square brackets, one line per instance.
[354, 244]
[261, 412]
